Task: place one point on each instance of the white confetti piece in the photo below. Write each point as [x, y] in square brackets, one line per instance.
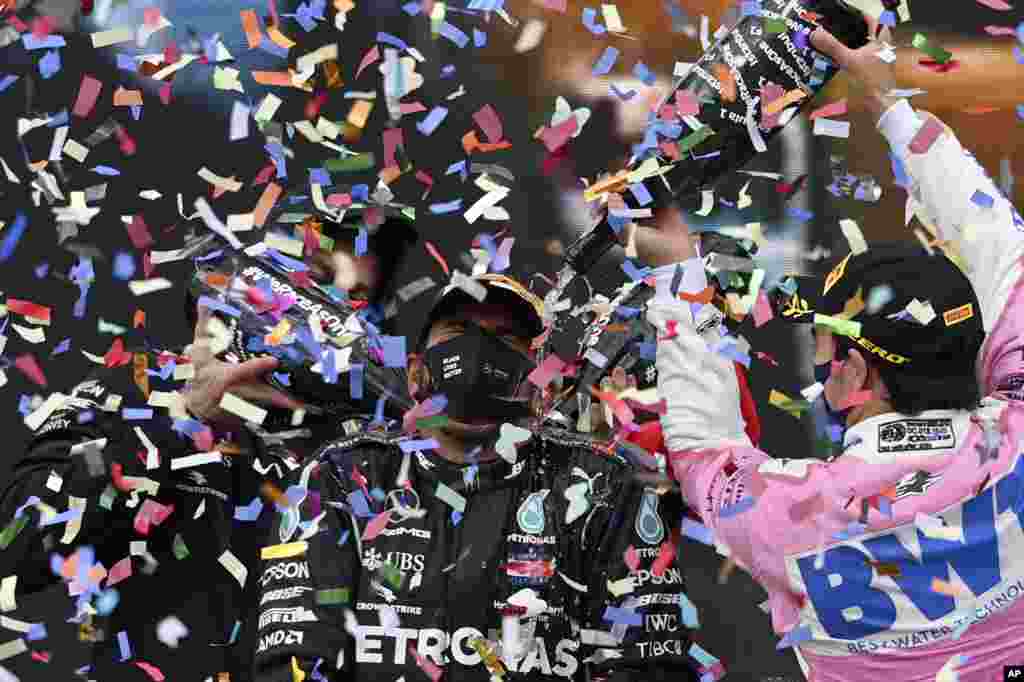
[30, 334]
[242, 408]
[707, 202]
[831, 128]
[170, 631]
[240, 222]
[121, 34]
[854, 236]
[141, 287]
[234, 566]
[198, 459]
[54, 482]
[533, 32]
[8, 585]
[288, 245]
[76, 150]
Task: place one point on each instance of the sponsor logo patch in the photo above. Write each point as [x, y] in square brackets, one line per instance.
[957, 315]
[913, 435]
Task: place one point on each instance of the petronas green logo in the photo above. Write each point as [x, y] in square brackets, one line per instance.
[530, 516]
[648, 524]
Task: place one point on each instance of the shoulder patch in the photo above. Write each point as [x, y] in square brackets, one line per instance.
[915, 435]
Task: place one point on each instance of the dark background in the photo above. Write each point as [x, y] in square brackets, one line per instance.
[175, 141]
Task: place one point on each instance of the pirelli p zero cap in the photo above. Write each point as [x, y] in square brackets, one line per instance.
[500, 289]
[939, 335]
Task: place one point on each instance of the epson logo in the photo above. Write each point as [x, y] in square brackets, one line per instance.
[334, 324]
[671, 576]
[532, 539]
[292, 570]
[415, 532]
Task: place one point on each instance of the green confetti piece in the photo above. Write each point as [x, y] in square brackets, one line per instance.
[450, 497]
[838, 326]
[438, 420]
[326, 243]
[351, 164]
[940, 55]
[695, 138]
[179, 548]
[774, 26]
[391, 574]
[12, 530]
[334, 595]
[107, 498]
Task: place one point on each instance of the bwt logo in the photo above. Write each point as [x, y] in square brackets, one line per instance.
[852, 603]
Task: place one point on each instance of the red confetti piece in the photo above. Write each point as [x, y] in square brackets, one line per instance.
[147, 265]
[30, 368]
[839, 108]
[138, 232]
[125, 141]
[670, 331]
[171, 53]
[937, 67]
[203, 440]
[41, 656]
[432, 250]
[372, 55]
[117, 477]
[29, 309]
[88, 93]
[300, 279]
[666, 556]
[411, 107]
[393, 139]
[632, 559]
[556, 137]
[376, 525]
[264, 175]
[488, 120]
[87, 6]
[154, 672]
[926, 136]
[116, 356]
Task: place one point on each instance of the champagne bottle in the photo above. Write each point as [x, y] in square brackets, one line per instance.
[738, 86]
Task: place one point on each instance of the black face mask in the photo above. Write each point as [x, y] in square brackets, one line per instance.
[479, 374]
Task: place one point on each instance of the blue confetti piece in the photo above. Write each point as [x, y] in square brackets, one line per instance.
[983, 200]
[422, 444]
[731, 510]
[250, 512]
[360, 192]
[219, 306]
[136, 111]
[362, 241]
[412, 8]
[798, 213]
[234, 632]
[327, 367]
[620, 616]
[187, 427]
[63, 517]
[703, 657]
[627, 312]
[640, 193]
[1018, 54]
[606, 62]
[126, 648]
[590, 21]
[378, 414]
[319, 176]
[106, 604]
[355, 381]
[136, 413]
[447, 71]
[392, 40]
[50, 64]
[899, 172]
[885, 506]
[454, 34]
[36, 632]
[393, 348]
[456, 517]
[360, 505]
[7, 81]
[794, 637]
[41, 270]
[698, 531]
[887, 18]
[447, 207]
[378, 494]
[31, 42]
[647, 350]
[624, 95]
[643, 73]
[124, 266]
[751, 8]
[688, 612]
[270, 47]
[633, 272]
[479, 38]
[61, 347]
[126, 62]
[106, 170]
[284, 378]
[344, 537]
[429, 124]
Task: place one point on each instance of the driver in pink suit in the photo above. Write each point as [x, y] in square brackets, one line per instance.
[903, 557]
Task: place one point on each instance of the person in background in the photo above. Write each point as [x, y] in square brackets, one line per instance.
[899, 557]
[134, 512]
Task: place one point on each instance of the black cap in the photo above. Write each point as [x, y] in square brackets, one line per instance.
[887, 278]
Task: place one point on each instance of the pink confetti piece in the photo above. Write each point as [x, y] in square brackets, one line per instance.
[545, 372]
[342, 200]
[165, 93]
[371, 56]
[438, 257]
[138, 232]
[839, 108]
[556, 137]
[687, 103]
[411, 107]
[1001, 31]
[770, 92]
[88, 93]
[762, 310]
[997, 5]
[119, 571]
[556, 5]
[429, 668]
[425, 178]
[488, 120]
[632, 559]
[926, 136]
[154, 672]
[376, 525]
[393, 138]
[30, 368]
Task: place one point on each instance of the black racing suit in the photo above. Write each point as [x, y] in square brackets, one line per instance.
[446, 577]
[91, 412]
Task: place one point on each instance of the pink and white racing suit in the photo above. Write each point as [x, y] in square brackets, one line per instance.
[895, 599]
